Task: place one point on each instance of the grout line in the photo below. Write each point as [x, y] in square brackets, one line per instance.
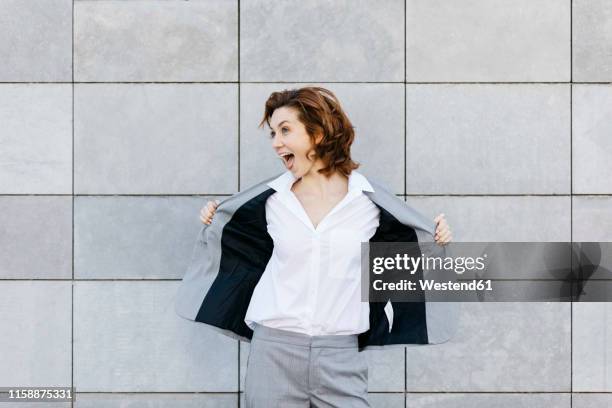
[179, 279]
[117, 195]
[405, 105]
[370, 392]
[296, 82]
[506, 195]
[239, 89]
[72, 238]
[310, 82]
[239, 96]
[405, 116]
[200, 195]
[571, 198]
[499, 392]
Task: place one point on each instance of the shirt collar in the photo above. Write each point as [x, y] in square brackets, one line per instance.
[357, 181]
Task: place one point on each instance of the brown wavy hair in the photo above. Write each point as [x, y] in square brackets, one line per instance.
[320, 112]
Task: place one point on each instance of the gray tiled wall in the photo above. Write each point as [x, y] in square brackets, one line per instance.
[120, 119]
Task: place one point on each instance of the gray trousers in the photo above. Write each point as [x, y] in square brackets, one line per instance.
[289, 369]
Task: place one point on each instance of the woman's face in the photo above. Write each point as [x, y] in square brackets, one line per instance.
[291, 142]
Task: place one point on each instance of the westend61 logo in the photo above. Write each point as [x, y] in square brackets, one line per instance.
[487, 272]
[404, 262]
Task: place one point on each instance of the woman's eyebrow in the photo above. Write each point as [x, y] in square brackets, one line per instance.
[282, 123]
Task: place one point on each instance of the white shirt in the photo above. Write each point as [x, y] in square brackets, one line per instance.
[312, 282]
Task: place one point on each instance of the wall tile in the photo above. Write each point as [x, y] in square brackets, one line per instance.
[498, 400]
[592, 360]
[135, 237]
[36, 237]
[342, 40]
[500, 219]
[591, 139]
[175, 400]
[592, 218]
[164, 41]
[36, 138]
[591, 400]
[37, 404]
[488, 139]
[35, 337]
[35, 41]
[490, 351]
[128, 338]
[592, 40]
[155, 139]
[386, 400]
[487, 40]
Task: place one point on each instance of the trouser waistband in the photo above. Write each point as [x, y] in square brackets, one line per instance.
[285, 336]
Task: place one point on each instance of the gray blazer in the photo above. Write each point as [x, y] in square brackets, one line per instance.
[231, 254]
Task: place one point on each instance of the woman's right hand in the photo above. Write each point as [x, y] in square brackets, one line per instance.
[207, 212]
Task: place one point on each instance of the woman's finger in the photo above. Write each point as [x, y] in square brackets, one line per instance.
[445, 232]
[441, 231]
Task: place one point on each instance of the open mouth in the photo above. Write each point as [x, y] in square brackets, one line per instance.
[288, 159]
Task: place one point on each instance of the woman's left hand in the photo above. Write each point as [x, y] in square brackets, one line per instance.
[443, 233]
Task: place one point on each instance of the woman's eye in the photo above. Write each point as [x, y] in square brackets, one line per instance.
[274, 134]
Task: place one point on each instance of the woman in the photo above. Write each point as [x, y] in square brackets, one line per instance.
[305, 310]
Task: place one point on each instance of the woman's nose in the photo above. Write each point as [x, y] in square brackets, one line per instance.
[276, 142]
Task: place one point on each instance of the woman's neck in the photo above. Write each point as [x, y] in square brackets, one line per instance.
[318, 184]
